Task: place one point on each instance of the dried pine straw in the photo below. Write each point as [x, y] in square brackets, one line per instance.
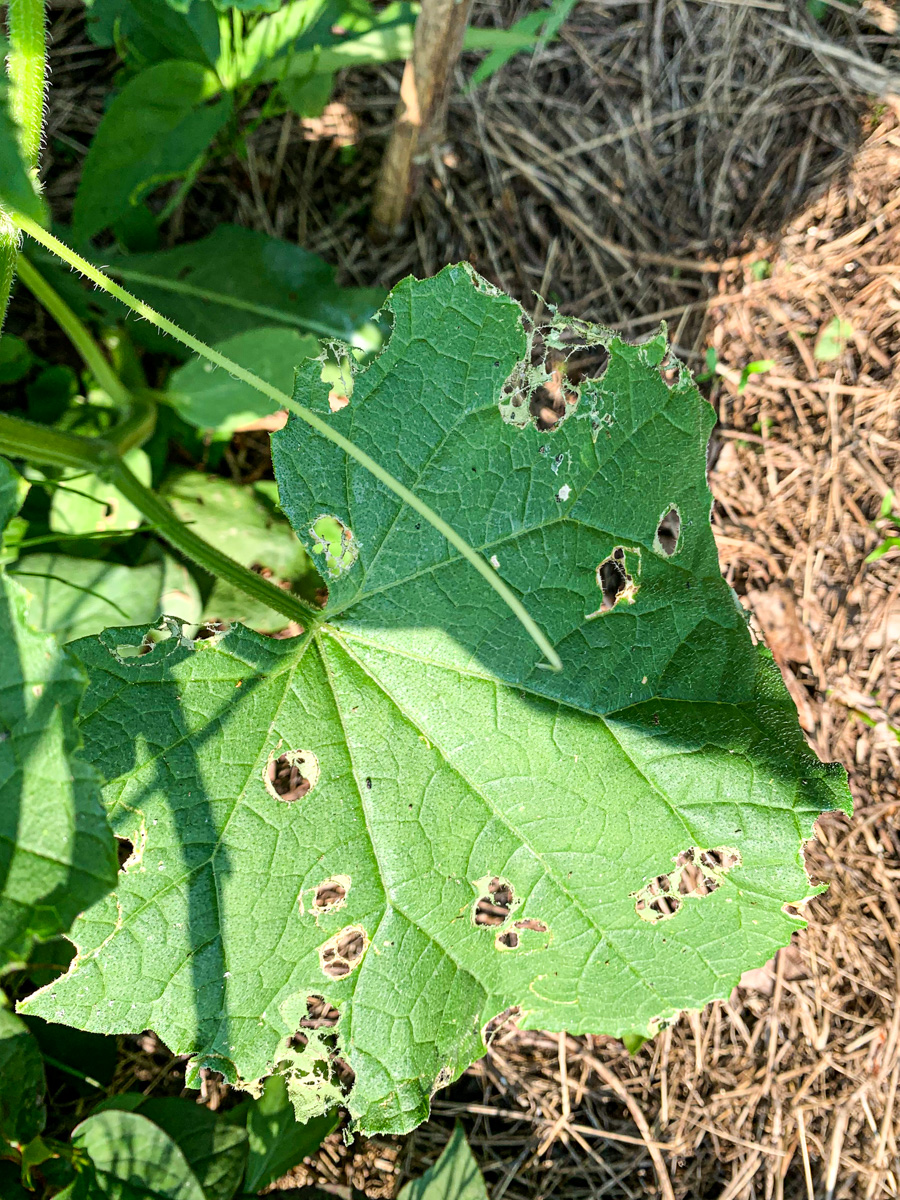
[639, 167]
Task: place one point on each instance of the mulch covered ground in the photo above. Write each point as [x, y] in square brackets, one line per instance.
[734, 168]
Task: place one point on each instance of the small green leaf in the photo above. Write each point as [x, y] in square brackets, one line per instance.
[887, 503]
[131, 1158]
[307, 97]
[22, 1107]
[761, 269]
[455, 1175]
[210, 398]
[90, 504]
[760, 367]
[278, 1141]
[74, 597]
[152, 133]
[889, 543]
[150, 32]
[832, 340]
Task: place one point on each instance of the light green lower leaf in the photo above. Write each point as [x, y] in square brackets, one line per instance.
[86, 503]
[212, 399]
[74, 597]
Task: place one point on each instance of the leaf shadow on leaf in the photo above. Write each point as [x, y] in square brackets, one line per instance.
[28, 734]
[204, 863]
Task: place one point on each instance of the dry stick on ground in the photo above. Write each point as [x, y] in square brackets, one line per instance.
[422, 111]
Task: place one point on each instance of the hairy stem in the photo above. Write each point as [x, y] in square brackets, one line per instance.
[27, 67]
[9, 253]
[27, 71]
[38, 444]
[310, 418]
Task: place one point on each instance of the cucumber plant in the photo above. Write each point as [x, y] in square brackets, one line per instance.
[524, 756]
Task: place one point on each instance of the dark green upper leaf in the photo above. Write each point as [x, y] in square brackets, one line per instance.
[22, 1109]
[239, 279]
[153, 132]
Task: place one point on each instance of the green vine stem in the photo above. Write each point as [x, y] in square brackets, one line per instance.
[38, 444]
[310, 418]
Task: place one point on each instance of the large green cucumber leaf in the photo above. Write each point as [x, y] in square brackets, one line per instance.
[464, 831]
[56, 851]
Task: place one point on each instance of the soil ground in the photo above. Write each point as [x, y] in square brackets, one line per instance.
[731, 167]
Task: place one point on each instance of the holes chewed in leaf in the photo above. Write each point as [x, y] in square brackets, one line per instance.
[670, 370]
[334, 546]
[668, 531]
[532, 924]
[495, 905]
[697, 873]
[124, 850]
[615, 580]
[343, 952]
[291, 775]
[319, 1014]
[507, 940]
[331, 894]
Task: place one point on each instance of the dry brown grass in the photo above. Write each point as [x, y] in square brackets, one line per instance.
[637, 168]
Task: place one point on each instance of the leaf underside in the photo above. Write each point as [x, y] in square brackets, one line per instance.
[401, 812]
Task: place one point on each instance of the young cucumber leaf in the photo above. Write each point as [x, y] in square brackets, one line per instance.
[56, 851]
[153, 132]
[22, 1084]
[400, 812]
[241, 522]
[455, 1175]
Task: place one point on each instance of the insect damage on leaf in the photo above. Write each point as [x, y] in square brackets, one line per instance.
[465, 833]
